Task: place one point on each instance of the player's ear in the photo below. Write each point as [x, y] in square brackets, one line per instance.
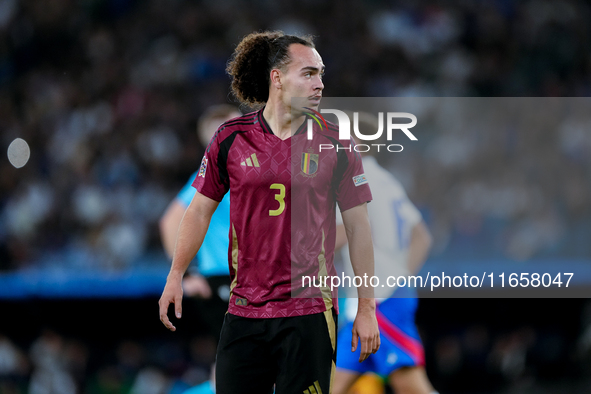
[276, 78]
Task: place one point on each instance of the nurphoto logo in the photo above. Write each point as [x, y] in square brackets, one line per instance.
[344, 124]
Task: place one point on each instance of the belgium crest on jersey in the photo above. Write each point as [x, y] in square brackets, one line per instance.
[309, 163]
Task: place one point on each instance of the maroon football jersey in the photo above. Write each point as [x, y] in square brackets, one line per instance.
[283, 195]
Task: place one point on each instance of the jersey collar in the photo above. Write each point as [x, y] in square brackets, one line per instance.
[267, 129]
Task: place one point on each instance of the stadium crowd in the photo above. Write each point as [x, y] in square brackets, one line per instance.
[466, 353]
[107, 92]
[55, 364]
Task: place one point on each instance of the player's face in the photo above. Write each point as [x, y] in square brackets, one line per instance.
[303, 77]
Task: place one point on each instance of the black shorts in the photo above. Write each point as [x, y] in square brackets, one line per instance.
[296, 354]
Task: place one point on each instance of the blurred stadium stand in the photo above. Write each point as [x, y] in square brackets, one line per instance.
[107, 92]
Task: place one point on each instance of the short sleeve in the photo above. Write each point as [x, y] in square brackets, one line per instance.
[352, 187]
[212, 180]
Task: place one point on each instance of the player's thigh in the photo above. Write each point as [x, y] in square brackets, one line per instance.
[243, 362]
[410, 380]
[306, 354]
[343, 381]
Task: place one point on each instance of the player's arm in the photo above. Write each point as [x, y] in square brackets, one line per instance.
[191, 232]
[341, 237]
[169, 225]
[194, 284]
[420, 245]
[365, 327]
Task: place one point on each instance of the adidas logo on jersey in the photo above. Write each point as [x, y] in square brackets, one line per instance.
[252, 161]
[313, 389]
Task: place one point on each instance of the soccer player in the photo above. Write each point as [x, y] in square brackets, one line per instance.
[211, 281]
[401, 246]
[269, 338]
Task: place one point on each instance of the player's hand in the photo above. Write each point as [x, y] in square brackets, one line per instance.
[172, 294]
[196, 286]
[365, 332]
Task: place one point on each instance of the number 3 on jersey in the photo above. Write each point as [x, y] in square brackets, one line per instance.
[279, 197]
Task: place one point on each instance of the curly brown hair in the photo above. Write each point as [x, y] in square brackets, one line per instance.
[253, 59]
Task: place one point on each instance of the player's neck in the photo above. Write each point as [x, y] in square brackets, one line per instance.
[279, 119]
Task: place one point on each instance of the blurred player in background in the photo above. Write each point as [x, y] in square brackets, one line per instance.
[270, 339]
[401, 246]
[210, 280]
